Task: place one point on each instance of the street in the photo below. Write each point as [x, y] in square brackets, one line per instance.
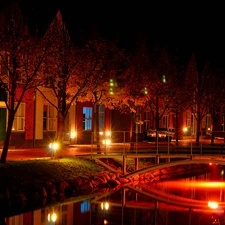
[163, 147]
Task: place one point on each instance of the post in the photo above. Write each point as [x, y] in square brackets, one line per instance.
[168, 145]
[201, 143]
[136, 163]
[157, 143]
[157, 159]
[124, 164]
[191, 142]
[124, 142]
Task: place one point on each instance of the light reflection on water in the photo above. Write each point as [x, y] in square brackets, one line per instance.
[183, 201]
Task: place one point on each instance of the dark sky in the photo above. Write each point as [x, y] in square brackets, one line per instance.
[185, 28]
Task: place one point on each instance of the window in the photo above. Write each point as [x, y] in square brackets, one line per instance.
[188, 119]
[165, 121]
[101, 117]
[85, 207]
[19, 121]
[48, 118]
[87, 118]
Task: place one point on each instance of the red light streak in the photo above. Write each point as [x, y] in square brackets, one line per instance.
[196, 184]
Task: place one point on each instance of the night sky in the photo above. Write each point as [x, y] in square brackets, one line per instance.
[184, 28]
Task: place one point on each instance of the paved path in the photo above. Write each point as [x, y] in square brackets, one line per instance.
[73, 150]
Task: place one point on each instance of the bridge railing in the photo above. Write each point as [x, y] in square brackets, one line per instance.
[125, 141]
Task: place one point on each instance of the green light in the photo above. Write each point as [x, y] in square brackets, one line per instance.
[164, 78]
[145, 91]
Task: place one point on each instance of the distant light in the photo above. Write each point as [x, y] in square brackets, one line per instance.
[145, 91]
[104, 205]
[213, 205]
[52, 217]
[54, 145]
[164, 78]
[73, 134]
[106, 142]
[185, 129]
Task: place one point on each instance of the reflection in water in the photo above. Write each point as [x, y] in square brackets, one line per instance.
[189, 201]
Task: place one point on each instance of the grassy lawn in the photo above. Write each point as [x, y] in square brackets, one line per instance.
[24, 171]
[46, 169]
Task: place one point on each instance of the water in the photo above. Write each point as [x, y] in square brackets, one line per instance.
[184, 201]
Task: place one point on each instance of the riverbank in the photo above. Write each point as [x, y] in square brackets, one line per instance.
[31, 184]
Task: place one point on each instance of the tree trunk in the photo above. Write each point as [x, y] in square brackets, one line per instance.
[176, 129]
[157, 118]
[7, 138]
[97, 129]
[213, 127]
[59, 136]
[198, 133]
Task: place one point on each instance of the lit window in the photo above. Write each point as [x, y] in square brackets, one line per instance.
[87, 118]
[101, 116]
[84, 207]
[19, 121]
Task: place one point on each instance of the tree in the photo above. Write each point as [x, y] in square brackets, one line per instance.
[216, 96]
[104, 62]
[179, 93]
[133, 88]
[160, 81]
[21, 56]
[77, 73]
[199, 83]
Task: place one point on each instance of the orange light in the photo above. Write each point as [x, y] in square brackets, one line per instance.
[213, 205]
[196, 184]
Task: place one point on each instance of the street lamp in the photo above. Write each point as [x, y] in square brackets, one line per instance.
[185, 130]
[106, 139]
[53, 147]
[212, 205]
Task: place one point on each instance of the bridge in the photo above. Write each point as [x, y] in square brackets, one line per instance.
[161, 160]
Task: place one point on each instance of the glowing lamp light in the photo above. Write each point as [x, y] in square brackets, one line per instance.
[52, 217]
[107, 133]
[54, 145]
[106, 142]
[104, 205]
[213, 205]
[73, 134]
[101, 132]
[185, 129]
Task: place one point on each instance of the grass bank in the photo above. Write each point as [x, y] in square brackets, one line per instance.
[24, 171]
[46, 169]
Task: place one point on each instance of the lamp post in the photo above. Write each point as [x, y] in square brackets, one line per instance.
[53, 147]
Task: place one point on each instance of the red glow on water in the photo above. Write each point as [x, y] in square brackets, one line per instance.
[196, 184]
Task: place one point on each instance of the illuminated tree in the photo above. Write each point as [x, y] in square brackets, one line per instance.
[61, 75]
[133, 89]
[21, 56]
[104, 61]
[77, 73]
